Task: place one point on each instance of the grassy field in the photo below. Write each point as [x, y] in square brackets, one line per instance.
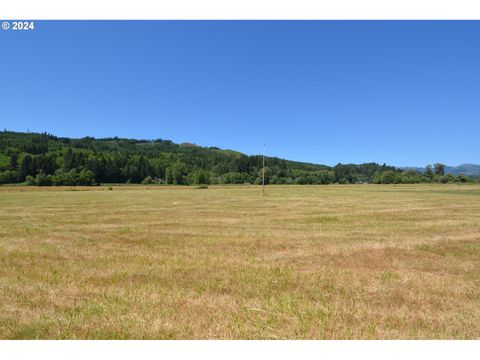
[320, 262]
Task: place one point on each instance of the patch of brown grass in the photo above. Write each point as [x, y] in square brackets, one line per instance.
[321, 262]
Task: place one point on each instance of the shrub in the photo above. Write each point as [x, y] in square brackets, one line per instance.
[147, 180]
[74, 177]
[85, 177]
[233, 178]
[202, 177]
[462, 178]
[9, 177]
[30, 180]
[447, 178]
[43, 180]
[386, 177]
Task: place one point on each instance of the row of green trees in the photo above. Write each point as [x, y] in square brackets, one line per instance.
[178, 174]
[414, 177]
[62, 178]
[43, 159]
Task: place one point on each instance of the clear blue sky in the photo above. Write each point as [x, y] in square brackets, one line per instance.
[404, 93]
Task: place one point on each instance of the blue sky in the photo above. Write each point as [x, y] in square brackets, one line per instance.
[401, 92]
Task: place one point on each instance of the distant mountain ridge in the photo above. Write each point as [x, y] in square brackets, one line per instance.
[465, 169]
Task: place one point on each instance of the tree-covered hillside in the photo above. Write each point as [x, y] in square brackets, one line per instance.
[44, 159]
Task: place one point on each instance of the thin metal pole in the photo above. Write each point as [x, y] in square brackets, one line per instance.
[263, 177]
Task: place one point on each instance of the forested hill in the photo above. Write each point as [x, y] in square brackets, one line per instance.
[44, 159]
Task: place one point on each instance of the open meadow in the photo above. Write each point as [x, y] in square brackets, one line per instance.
[316, 262]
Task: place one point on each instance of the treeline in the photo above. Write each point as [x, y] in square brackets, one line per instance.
[45, 160]
[435, 174]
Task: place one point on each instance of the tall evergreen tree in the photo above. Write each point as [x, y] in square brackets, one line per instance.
[13, 162]
[26, 166]
[68, 160]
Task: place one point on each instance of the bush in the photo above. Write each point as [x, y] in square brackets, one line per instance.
[64, 178]
[447, 178]
[9, 177]
[43, 180]
[147, 180]
[462, 178]
[85, 177]
[30, 180]
[202, 177]
[74, 177]
[386, 177]
[301, 180]
[234, 178]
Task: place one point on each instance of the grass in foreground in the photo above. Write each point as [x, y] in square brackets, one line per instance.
[321, 262]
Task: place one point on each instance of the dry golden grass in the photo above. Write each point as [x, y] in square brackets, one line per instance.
[321, 262]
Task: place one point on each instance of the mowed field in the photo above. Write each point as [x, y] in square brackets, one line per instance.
[317, 262]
